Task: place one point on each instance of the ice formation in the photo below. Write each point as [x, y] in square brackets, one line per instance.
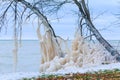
[15, 50]
[80, 54]
[48, 46]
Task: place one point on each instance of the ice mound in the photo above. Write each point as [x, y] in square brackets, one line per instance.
[81, 53]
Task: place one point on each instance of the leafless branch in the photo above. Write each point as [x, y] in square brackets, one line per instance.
[3, 16]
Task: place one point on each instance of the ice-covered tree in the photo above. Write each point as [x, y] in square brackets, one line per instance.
[20, 10]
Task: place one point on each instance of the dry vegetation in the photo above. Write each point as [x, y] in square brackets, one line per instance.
[100, 75]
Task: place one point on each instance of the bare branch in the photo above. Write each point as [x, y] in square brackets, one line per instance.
[3, 16]
[86, 15]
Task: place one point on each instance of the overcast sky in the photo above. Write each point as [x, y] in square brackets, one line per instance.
[65, 27]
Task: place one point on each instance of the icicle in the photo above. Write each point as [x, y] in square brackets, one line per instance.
[15, 50]
[48, 45]
[20, 41]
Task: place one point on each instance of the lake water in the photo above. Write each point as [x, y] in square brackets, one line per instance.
[28, 56]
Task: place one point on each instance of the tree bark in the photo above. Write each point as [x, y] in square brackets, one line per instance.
[86, 15]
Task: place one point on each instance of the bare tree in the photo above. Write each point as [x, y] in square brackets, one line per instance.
[85, 14]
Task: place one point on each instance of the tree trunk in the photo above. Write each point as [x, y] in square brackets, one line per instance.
[86, 15]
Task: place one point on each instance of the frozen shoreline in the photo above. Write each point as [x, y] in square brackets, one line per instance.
[18, 75]
[73, 69]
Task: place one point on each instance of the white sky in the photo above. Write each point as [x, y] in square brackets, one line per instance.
[66, 27]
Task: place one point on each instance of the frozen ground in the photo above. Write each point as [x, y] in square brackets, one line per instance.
[73, 69]
[18, 75]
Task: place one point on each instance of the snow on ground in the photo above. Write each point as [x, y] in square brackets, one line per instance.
[18, 75]
[73, 69]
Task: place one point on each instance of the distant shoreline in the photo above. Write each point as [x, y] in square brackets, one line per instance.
[38, 40]
[19, 40]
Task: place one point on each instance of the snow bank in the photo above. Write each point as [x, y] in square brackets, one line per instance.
[73, 69]
[18, 75]
[89, 69]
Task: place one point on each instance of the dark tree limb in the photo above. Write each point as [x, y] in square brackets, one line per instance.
[39, 14]
[3, 16]
[86, 15]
